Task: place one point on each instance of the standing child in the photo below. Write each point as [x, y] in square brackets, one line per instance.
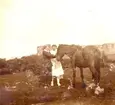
[57, 70]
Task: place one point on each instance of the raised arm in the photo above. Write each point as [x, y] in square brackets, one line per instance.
[48, 55]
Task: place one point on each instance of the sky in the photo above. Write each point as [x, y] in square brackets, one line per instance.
[26, 24]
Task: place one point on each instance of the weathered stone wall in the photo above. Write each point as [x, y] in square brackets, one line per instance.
[108, 48]
[41, 48]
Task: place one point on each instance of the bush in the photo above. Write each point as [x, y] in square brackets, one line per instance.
[3, 63]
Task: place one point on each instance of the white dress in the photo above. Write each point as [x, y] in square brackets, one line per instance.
[57, 69]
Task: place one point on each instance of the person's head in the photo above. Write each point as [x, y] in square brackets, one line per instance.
[54, 47]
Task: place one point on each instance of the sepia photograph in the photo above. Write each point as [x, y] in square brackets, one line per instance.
[57, 52]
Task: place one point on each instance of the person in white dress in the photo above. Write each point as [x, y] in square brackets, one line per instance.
[57, 69]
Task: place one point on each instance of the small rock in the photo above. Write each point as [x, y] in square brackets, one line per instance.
[70, 87]
[99, 90]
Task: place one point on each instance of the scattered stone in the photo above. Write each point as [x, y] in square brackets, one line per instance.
[99, 90]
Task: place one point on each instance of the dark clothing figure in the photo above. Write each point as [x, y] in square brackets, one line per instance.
[47, 57]
[47, 73]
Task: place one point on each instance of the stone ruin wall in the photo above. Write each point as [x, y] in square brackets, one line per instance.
[40, 48]
[108, 48]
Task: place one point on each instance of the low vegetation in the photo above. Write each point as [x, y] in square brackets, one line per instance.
[20, 85]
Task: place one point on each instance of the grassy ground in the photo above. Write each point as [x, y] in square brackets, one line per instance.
[26, 93]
